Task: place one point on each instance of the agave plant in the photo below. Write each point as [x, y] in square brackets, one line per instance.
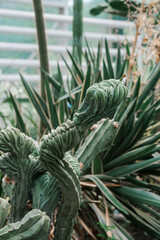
[120, 168]
[62, 100]
[125, 168]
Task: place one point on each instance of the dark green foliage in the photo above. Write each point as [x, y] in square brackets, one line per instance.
[118, 7]
[42, 173]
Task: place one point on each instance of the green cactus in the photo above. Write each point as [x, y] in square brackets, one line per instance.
[4, 210]
[34, 225]
[48, 173]
[19, 161]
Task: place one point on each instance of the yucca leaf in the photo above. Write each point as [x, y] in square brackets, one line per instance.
[61, 106]
[110, 68]
[127, 169]
[106, 192]
[136, 88]
[42, 102]
[148, 218]
[105, 71]
[72, 92]
[131, 156]
[99, 55]
[86, 83]
[151, 81]
[118, 62]
[35, 103]
[145, 124]
[86, 57]
[97, 165]
[71, 72]
[136, 132]
[123, 230]
[121, 70]
[134, 218]
[139, 195]
[151, 210]
[147, 140]
[19, 117]
[78, 70]
[52, 80]
[60, 78]
[89, 51]
[51, 106]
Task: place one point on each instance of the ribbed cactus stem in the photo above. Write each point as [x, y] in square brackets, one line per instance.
[19, 161]
[4, 210]
[34, 226]
[100, 100]
[20, 196]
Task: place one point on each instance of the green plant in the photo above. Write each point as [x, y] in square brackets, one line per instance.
[64, 101]
[118, 7]
[41, 171]
[135, 131]
[125, 167]
[78, 28]
[42, 44]
[106, 228]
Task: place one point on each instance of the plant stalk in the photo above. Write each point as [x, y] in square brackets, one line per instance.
[78, 27]
[43, 51]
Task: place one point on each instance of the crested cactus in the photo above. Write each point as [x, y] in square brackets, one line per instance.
[47, 174]
[34, 225]
[4, 210]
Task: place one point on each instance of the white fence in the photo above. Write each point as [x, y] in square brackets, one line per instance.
[58, 28]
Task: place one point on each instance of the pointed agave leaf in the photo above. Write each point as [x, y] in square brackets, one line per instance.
[51, 106]
[123, 230]
[97, 165]
[118, 62]
[52, 80]
[121, 70]
[99, 55]
[106, 192]
[147, 141]
[151, 210]
[42, 102]
[89, 51]
[105, 71]
[110, 68]
[139, 195]
[86, 83]
[77, 68]
[136, 89]
[152, 80]
[19, 118]
[133, 217]
[136, 133]
[72, 92]
[35, 103]
[61, 106]
[136, 154]
[60, 75]
[127, 169]
[71, 72]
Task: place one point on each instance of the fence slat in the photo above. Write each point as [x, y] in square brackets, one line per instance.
[64, 33]
[67, 19]
[22, 47]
